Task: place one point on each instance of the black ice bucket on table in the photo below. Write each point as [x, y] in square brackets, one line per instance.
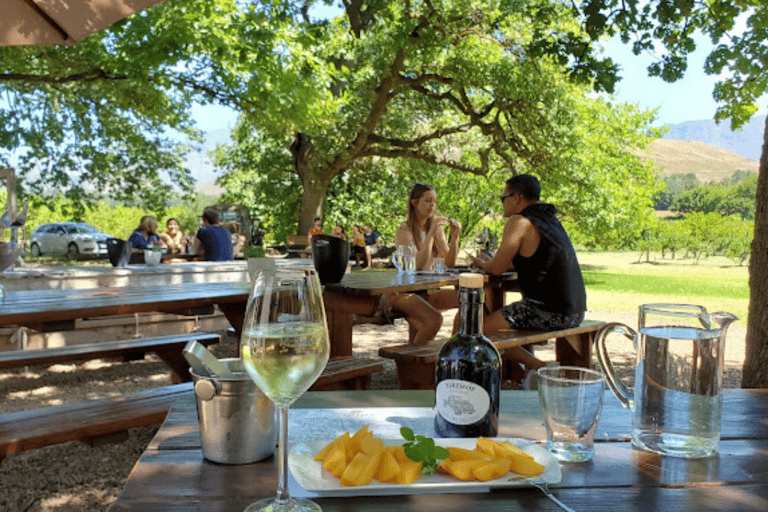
[331, 257]
[119, 252]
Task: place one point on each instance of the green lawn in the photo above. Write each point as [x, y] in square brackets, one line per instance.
[618, 282]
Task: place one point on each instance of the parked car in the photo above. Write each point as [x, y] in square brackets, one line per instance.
[75, 239]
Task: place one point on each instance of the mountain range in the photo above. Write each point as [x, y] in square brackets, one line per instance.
[709, 150]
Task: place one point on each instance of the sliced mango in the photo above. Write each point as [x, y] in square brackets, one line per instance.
[464, 454]
[336, 463]
[462, 469]
[408, 473]
[353, 445]
[331, 447]
[388, 467]
[371, 445]
[488, 470]
[355, 467]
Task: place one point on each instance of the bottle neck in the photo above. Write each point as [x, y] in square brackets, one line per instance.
[471, 311]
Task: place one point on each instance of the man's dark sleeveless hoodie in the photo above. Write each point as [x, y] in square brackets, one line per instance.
[551, 275]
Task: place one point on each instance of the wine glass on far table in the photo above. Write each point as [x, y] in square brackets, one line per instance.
[284, 347]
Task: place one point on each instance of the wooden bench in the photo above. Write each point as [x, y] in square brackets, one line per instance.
[347, 373]
[168, 348]
[90, 421]
[297, 245]
[108, 419]
[416, 363]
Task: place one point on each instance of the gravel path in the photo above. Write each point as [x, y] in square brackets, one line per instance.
[79, 478]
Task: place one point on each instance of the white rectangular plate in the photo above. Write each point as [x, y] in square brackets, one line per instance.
[311, 475]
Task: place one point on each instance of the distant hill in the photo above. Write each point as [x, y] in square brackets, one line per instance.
[708, 162]
[747, 142]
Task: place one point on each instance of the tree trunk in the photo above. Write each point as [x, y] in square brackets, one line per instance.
[314, 183]
[755, 373]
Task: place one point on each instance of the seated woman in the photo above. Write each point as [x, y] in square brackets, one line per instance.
[173, 237]
[339, 231]
[145, 235]
[358, 243]
[424, 229]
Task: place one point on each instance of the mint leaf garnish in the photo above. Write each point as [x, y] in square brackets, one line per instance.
[423, 449]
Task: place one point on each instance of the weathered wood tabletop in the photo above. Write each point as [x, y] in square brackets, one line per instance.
[172, 474]
[357, 295]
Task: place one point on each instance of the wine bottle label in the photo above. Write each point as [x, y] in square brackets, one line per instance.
[461, 402]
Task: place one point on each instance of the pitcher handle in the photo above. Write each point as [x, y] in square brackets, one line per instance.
[622, 392]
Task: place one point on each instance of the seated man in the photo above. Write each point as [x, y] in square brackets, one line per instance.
[372, 242]
[213, 241]
[537, 246]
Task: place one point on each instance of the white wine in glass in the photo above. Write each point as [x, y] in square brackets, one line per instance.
[284, 347]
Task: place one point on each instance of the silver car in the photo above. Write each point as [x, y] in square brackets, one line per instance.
[75, 239]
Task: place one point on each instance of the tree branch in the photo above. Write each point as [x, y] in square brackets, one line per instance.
[86, 76]
[424, 157]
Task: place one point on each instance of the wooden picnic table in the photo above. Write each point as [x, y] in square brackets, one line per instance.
[172, 474]
[56, 310]
[356, 296]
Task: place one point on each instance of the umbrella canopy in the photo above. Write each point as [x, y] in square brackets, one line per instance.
[28, 22]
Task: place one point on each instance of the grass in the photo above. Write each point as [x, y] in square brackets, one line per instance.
[618, 282]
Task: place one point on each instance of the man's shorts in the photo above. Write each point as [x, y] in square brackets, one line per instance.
[527, 314]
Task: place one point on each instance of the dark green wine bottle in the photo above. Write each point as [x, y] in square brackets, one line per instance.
[468, 372]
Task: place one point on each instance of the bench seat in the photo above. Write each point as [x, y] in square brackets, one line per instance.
[168, 348]
[109, 418]
[347, 373]
[416, 363]
[87, 421]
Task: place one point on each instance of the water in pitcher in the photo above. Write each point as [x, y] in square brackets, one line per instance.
[678, 399]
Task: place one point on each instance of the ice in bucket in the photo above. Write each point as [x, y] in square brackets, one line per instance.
[237, 421]
[677, 395]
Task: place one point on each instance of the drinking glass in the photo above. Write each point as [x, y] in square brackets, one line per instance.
[284, 347]
[409, 258]
[571, 400]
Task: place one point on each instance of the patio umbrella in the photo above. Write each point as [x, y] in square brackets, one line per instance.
[46, 22]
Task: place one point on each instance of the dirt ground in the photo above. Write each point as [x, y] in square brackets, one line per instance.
[77, 477]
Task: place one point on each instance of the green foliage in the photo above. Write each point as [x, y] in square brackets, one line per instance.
[457, 94]
[423, 449]
[727, 198]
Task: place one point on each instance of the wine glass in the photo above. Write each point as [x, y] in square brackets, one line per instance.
[284, 347]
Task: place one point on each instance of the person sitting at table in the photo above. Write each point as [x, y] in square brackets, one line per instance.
[316, 229]
[213, 242]
[145, 235]
[424, 229]
[372, 242]
[358, 243]
[173, 237]
[339, 231]
[534, 243]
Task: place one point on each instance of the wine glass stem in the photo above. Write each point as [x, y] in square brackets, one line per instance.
[282, 454]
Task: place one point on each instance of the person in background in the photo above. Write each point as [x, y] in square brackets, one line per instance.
[424, 229]
[358, 243]
[173, 238]
[371, 244]
[213, 241]
[339, 231]
[316, 229]
[535, 243]
[145, 235]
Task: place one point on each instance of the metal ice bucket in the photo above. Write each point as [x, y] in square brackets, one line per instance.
[237, 421]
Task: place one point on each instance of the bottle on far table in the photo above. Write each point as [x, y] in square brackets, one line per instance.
[468, 372]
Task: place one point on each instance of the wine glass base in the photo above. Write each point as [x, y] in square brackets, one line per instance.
[289, 505]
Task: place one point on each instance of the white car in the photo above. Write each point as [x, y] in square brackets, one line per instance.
[75, 239]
